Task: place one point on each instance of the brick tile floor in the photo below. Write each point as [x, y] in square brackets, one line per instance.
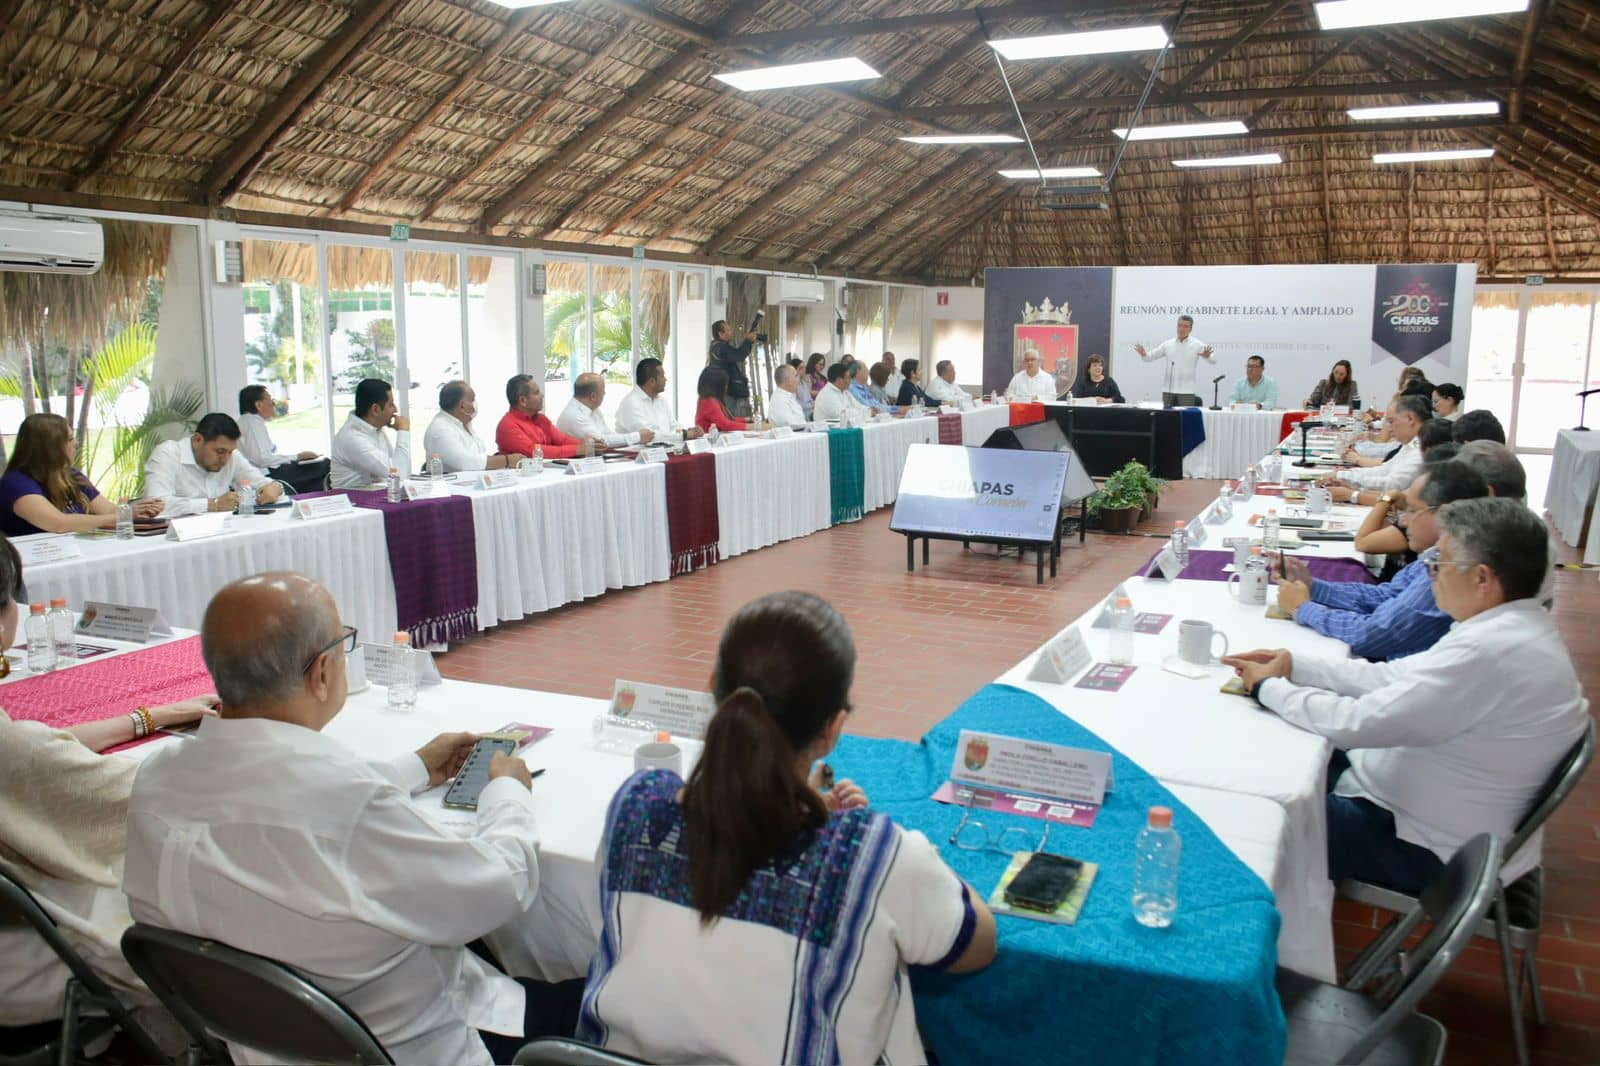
[928, 640]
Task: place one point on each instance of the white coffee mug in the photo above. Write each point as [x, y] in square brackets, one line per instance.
[1318, 500]
[1241, 551]
[528, 467]
[1195, 639]
[1252, 586]
[658, 756]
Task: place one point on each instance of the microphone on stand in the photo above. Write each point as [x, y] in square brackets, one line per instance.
[1583, 409]
[1215, 390]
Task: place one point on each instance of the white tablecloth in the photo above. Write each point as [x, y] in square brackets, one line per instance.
[348, 554]
[768, 491]
[1234, 440]
[978, 423]
[884, 446]
[559, 538]
[1575, 487]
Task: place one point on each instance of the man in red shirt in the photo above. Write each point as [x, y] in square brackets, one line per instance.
[525, 427]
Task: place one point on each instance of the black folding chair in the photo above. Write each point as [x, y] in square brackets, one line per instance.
[560, 1051]
[222, 995]
[86, 992]
[1514, 919]
[1334, 1024]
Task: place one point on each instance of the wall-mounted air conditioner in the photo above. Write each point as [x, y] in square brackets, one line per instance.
[794, 291]
[45, 244]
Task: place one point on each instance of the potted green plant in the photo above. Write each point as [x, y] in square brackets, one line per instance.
[1138, 475]
[1117, 502]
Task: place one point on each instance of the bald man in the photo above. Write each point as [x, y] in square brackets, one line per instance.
[584, 420]
[265, 834]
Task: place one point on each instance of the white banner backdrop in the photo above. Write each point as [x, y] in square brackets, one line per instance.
[1300, 319]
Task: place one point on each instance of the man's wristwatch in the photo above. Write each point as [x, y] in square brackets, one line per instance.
[1386, 499]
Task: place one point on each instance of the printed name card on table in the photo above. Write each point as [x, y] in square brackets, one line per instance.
[424, 488]
[1197, 530]
[198, 526]
[682, 712]
[1241, 406]
[497, 479]
[324, 507]
[1062, 659]
[592, 464]
[49, 548]
[699, 446]
[732, 437]
[780, 432]
[382, 664]
[116, 621]
[652, 455]
[1027, 777]
[1166, 566]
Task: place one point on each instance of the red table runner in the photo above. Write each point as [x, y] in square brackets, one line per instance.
[1025, 414]
[693, 530]
[950, 429]
[165, 673]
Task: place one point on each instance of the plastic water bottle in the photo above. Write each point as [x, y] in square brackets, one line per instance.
[125, 519]
[713, 434]
[41, 644]
[395, 493]
[61, 632]
[1180, 542]
[1155, 870]
[435, 467]
[1269, 530]
[403, 685]
[1247, 484]
[588, 447]
[1121, 630]
[538, 458]
[247, 498]
[1225, 502]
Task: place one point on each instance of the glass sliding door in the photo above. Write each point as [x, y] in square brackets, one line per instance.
[1492, 357]
[863, 335]
[613, 332]
[1555, 362]
[692, 311]
[903, 323]
[492, 342]
[566, 330]
[283, 340]
[433, 348]
[361, 322]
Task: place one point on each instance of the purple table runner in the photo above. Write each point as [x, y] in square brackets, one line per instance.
[950, 429]
[1207, 566]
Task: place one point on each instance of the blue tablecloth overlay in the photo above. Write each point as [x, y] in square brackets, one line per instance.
[1106, 990]
[1194, 429]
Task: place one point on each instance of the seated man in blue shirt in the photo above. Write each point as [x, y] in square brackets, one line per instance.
[861, 389]
[1382, 622]
[1255, 387]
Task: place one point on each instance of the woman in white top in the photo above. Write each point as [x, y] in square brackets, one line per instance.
[754, 915]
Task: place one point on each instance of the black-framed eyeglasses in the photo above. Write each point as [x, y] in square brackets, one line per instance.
[347, 638]
[971, 835]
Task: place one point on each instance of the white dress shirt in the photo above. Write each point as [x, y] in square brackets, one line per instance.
[1040, 386]
[173, 477]
[1394, 474]
[457, 447]
[279, 840]
[832, 403]
[256, 443]
[363, 455]
[942, 391]
[783, 409]
[892, 386]
[580, 421]
[1455, 740]
[1181, 357]
[639, 411]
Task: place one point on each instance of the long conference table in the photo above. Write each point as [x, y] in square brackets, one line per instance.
[1254, 781]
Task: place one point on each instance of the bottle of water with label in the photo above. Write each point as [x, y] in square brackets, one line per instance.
[1225, 502]
[41, 644]
[1247, 484]
[713, 434]
[247, 498]
[61, 632]
[393, 492]
[1180, 542]
[125, 519]
[1155, 870]
[1269, 530]
[1121, 616]
[435, 467]
[403, 685]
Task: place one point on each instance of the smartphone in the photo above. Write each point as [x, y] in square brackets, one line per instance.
[1283, 565]
[1044, 882]
[1326, 534]
[1301, 523]
[474, 774]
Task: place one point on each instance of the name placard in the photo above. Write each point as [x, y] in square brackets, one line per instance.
[1062, 659]
[591, 464]
[652, 455]
[424, 488]
[497, 479]
[198, 526]
[383, 663]
[324, 507]
[1197, 530]
[1240, 405]
[117, 621]
[40, 551]
[780, 432]
[816, 427]
[683, 712]
[733, 437]
[699, 446]
[1213, 516]
[1052, 771]
[1166, 566]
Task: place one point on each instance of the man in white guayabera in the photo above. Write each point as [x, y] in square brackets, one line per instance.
[1181, 353]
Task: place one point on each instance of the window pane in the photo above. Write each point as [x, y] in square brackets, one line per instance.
[491, 335]
[905, 323]
[433, 329]
[361, 300]
[1553, 355]
[863, 336]
[1489, 360]
[960, 341]
[613, 333]
[566, 331]
[689, 354]
[283, 340]
[654, 339]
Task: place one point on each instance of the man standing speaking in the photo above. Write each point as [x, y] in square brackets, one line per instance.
[1181, 353]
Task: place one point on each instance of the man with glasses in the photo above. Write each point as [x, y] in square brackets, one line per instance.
[1453, 741]
[1398, 618]
[1364, 484]
[268, 835]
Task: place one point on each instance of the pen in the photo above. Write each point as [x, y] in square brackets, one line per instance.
[536, 773]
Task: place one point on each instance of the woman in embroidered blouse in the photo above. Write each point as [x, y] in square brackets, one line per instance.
[755, 887]
[712, 410]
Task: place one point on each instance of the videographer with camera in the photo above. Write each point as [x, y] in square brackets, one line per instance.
[730, 358]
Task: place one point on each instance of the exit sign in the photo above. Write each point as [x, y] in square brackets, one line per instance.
[400, 231]
[1535, 279]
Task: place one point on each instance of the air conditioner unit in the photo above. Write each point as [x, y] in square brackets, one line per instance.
[44, 244]
[794, 291]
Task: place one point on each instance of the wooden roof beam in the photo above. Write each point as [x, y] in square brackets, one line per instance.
[1519, 69]
[1090, 140]
[1305, 78]
[868, 231]
[1219, 53]
[513, 27]
[238, 161]
[971, 16]
[674, 180]
[940, 241]
[133, 118]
